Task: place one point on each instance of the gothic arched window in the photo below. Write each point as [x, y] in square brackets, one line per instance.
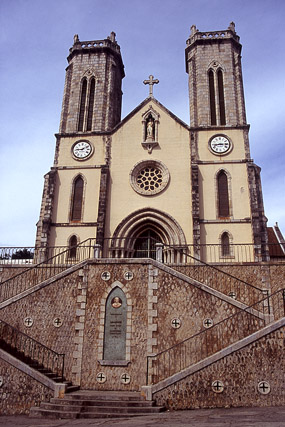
[91, 104]
[77, 199]
[225, 244]
[82, 104]
[223, 195]
[221, 98]
[212, 97]
[72, 247]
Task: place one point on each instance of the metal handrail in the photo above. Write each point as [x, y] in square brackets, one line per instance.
[220, 280]
[32, 349]
[44, 270]
[185, 354]
[238, 252]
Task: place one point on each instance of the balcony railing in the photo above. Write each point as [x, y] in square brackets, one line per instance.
[46, 269]
[210, 253]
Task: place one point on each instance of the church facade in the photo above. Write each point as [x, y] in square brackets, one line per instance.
[150, 177]
[124, 294]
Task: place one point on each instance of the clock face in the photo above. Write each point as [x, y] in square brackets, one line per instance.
[219, 144]
[82, 150]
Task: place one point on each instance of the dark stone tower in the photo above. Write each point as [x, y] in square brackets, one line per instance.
[217, 113]
[92, 94]
[91, 108]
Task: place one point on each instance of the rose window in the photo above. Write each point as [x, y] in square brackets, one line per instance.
[149, 177]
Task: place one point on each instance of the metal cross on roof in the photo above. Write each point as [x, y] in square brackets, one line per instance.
[151, 82]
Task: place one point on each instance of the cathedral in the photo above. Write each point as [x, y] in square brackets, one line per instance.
[150, 177]
[153, 270]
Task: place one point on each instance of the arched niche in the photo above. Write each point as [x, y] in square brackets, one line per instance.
[115, 326]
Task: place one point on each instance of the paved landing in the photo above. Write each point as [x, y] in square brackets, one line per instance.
[237, 417]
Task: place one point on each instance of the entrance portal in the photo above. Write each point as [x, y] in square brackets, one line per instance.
[144, 246]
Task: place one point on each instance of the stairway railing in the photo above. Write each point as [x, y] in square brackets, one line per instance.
[30, 351]
[210, 341]
[216, 278]
[45, 269]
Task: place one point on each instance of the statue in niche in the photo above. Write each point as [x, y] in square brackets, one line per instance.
[150, 129]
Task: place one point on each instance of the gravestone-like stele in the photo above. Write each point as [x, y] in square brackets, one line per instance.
[151, 82]
[115, 326]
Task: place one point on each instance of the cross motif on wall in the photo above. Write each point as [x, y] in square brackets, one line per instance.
[57, 322]
[28, 321]
[128, 275]
[101, 377]
[176, 323]
[264, 387]
[151, 82]
[218, 386]
[208, 323]
[232, 295]
[106, 275]
[126, 378]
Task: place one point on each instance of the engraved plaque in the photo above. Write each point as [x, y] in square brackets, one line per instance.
[115, 326]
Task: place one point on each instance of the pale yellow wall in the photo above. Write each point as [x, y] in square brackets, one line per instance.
[59, 236]
[235, 135]
[68, 170]
[63, 194]
[233, 163]
[173, 151]
[175, 199]
[65, 156]
[241, 233]
[238, 190]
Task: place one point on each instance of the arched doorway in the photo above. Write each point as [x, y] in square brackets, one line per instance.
[138, 233]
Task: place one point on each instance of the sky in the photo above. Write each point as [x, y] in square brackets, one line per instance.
[35, 38]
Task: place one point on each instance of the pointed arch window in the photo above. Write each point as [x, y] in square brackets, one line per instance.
[77, 200]
[223, 195]
[221, 98]
[82, 104]
[225, 244]
[72, 247]
[212, 97]
[91, 104]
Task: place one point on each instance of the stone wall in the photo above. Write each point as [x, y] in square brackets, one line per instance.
[156, 298]
[240, 373]
[7, 271]
[136, 291]
[267, 276]
[56, 301]
[19, 391]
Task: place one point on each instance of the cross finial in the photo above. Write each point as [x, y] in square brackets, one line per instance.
[151, 82]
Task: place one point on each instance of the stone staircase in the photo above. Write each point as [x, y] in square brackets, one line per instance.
[21, 356]
[96, 404]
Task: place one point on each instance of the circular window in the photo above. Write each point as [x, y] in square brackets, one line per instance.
[149, 177]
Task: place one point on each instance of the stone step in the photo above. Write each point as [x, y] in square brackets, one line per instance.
[105, 395]
[98, 409]
[96, 404]
[46, 413]
[71, 388]
[101, 402]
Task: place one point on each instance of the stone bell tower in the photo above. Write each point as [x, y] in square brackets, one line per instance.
[226, 195]
[75, 190]
[92, 94]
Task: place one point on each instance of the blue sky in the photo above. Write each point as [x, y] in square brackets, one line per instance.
[35, 38]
